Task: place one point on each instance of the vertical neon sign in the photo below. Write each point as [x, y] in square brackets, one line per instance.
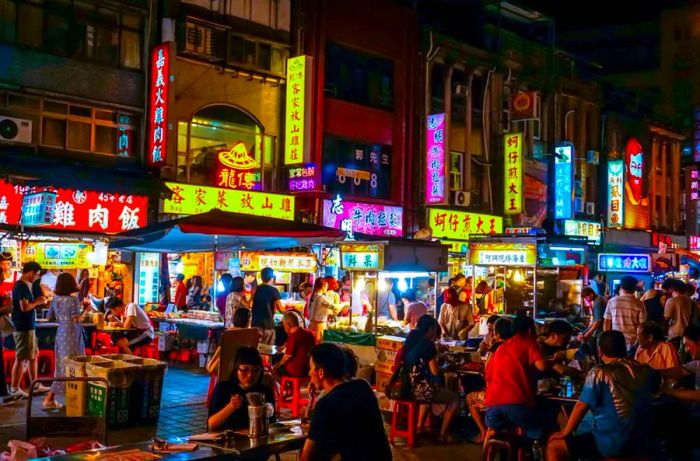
[435, 159]
[513, 173]
[563, 182]
[297, 128]
[158, 105]
[616, 203]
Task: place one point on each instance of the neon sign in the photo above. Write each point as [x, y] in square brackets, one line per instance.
[365, 218]
[59, 255]
[435, 159]
[235, 169]
[513, 171]
[158, 105]
[193, 199]
[279, 262]
[304, 178]
[361, 257]
[694, 242]
[591, 230]
[38, 208]
[458, 225]
[297, 130]
[636, 205]
[694, 193]
[503, 254]
[616, 204]
[617, 262]
[563, 182]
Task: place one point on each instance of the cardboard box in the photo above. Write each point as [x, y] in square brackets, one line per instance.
[390, 343]
[381, 379]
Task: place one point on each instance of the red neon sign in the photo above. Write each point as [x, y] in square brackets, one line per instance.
[75, 210]
[158, 105]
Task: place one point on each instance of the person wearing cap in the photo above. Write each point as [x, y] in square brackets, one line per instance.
[24, 319]
[625, 312]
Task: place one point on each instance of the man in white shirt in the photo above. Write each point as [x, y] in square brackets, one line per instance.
[136, 320]
[624, 312]
[48, 282]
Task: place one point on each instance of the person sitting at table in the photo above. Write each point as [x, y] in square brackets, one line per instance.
[619, 393]
[346, 423]
[653, 348]
[229, 405]
[420, 358]
[511, 381]
[136, 321]
[295, 361]
[456, 317]
[487, 342]
[502, 330]
[414, 309]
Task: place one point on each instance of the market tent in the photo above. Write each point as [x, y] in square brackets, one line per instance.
[222, 230]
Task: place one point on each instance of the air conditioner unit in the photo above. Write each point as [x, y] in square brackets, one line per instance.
[462, 198]
[460, 90]
[590, 208]
[593, 157]
[15, 130]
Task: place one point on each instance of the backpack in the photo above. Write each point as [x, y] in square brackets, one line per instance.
[399, 386]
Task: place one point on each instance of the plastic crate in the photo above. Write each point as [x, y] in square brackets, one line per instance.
[147, 390]
[76, 392]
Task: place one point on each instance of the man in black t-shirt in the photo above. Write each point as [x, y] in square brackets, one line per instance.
[266, 301]
[346, 422]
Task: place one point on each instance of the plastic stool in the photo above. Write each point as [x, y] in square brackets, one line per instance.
[409, 433]
[297, 401]
[512, 443]
[47, 356]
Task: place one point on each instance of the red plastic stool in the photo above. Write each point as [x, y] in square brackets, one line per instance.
[150, 351]
[409, 433]
[47, 356]
[297, 401]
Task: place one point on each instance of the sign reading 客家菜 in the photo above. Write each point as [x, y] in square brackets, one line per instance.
[365, 218]
[279, 262]
[193, 199]
[297, 126]
[591, 230]
[361, 257]
[435, 159]
[158, 105]
[563, 181]
[621, 262]
[502, 254]
[513, 172]
[458, 225]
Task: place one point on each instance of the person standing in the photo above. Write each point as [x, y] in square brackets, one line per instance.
[83, 285]
[455, 315]
[414, 309]
[624, 312]
[386, 301]
[66, 309]
[180, 300]
[266, 301]
[8, 277]
[678, 311]
[320, 307]
[194, 294]
[234, 301]
[24, 319]
[222, 295]
[595, 328]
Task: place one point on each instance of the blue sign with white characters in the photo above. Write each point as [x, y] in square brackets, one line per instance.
[616, 262]
[563, 182]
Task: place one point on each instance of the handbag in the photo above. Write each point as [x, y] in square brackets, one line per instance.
[421, 384]
[399, 386]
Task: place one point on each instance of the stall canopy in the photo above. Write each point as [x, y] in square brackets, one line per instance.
[222, 230]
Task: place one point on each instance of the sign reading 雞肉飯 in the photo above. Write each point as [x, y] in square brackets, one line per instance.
[194, 199]
[297, 124]
[513, 173]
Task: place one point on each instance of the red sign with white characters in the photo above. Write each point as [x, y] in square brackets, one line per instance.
[158, 105]
[83, 211]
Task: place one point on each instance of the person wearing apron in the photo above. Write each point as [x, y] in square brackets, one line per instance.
[8, 278]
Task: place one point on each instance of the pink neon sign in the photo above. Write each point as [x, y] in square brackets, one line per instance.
[364, 218]
[435, 159]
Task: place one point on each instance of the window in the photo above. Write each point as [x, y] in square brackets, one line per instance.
[270, 13]
[359, 77]
[57, 29]
[253, 53]
[8, 13]
[130, 42]
[30, 16]
[456, 175]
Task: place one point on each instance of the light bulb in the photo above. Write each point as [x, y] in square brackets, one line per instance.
[403, 285]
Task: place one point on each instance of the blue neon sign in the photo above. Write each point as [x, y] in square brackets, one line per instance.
[563, 182]
[621, 262]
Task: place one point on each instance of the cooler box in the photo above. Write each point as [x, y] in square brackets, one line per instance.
[146, 390]
[76, 392]
[120, 376]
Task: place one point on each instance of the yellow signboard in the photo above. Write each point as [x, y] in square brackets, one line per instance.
[457, 225]
[193, 199]
[513, 173]
[502, 254]
[279, 262]
[297, 127]
[361, 257]
[55, 255]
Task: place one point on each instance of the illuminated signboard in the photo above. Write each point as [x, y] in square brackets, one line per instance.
[591, 230]
[521, 230]
[636, 205]
[563, 182]
[158, 105]
[78, 210]
[561, 255]
[435, 159]
[235, 169]
[513, 173]
[694, 186]
[297, 127]
[365, 218]
[663, 240]
[616, 203]
[616, 262]
[38, 208]
[456, 246]
[502, 254]
[279, 262]
[694, 242]
[57, 255]
[361, 257]
[302, 178]
[193, 199]
[458, 225]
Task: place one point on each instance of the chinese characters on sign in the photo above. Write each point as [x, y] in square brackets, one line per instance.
[193, 199]
[361, 257]
[299, 72]
[435, 158]
[279, 262]
[521, 230]
[614, 262]
[304, 178]
[38, 208]
[458, 225]
[513, 173]
[158, 105]
[563, 182]
[365, 218]
[78, 210]
[509, 258]
[235, 169]
[694, 194]
[616, 205]
[591, 230]
[502, 254]
[57, 255]
[694, 242]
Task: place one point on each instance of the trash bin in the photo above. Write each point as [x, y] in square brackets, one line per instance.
[120, 376]
[76, 392]
[122, 357]
[146, 390]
